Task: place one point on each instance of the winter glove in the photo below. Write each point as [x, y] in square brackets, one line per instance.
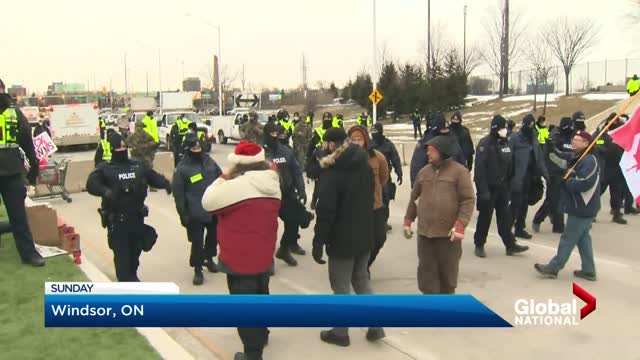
[32, 176]
[408, 233]
[317, 253]
[457, 232]
[399, 180]
[168, 190]
[184, 220]
[302, 197]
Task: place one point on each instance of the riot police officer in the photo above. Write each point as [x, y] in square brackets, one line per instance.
[103, 151]
[492, 175]
[16, 144]
[293, 192]
[122, 184]
[195, 172]
[558, 154]
[177, 134]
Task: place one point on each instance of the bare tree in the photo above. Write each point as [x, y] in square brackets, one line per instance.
[505, 30]
[569, 41]
[540, 59]
[473, 60]
[440, 47]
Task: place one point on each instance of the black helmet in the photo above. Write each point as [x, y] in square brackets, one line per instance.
[327, 116]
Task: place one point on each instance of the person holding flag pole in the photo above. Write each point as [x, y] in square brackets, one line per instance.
[580, 191]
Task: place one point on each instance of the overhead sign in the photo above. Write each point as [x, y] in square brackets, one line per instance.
[247, 100]
[44, 147]
[375, 96]
[275, 97]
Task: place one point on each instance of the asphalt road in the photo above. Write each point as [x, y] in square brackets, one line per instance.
[497, 281]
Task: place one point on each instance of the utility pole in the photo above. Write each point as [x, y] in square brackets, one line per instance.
[126, 84]
[428, 39]
[244, 79]
[505, 54]
[147, 83]
[375, 63]
[159, 72]
[464, 42]
[304, 75]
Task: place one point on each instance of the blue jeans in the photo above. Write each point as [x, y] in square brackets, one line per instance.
[576, 232]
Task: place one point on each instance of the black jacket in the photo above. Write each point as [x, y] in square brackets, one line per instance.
[127, 182]
[344, 221]
[494, 165]
[11, 161]
[291, 180]
[420, 160]
[388, 149]
[190, 180]
[522, 149]
[559, 152]
[465, 141]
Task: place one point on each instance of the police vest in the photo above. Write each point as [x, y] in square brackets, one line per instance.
[287, 125]
[103, 124]
[151, 127]
[308, 119]
[543, 134]
[9, 129]
[320, 131]
[106, 150]
[183, 126]
[336, 123]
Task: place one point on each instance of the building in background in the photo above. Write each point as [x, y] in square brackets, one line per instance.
[62, 88]
[191, 84]
[17, 90]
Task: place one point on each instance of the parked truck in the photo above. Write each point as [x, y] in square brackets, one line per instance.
[227, 127]
[173, 105]
[74, 124]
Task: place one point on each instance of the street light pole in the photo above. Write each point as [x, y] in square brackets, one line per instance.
[221, 111]
[375, 63]
[464, 46]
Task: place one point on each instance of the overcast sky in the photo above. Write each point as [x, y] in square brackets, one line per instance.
[86, 41]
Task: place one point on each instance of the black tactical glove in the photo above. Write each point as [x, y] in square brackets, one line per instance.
[302, 197]
[399, 180]
[32, 176]
[317, 253]
[184, 220]
[168, 190]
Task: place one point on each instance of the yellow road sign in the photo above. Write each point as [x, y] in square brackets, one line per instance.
[375, 96]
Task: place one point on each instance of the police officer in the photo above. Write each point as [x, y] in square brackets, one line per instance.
[15, 138]
[293, 193]
[195, 172]
[318, 134]
[492, 174]
[438, 128]
[177, 134]
[529, 166]
[286, 123]
[122, 184]
[103, 152]
[579, 119]
[151, 126]
[558, 154]
[416, 119]
[309, 119]
[464, 138]
[102, 125]
[388, 149]
[541, 130]
[338, 121]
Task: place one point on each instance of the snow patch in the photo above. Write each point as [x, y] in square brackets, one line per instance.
[550, 97]
[606, 96]
[516, 113]
[479, 113]
[399, 127]
[482, 97]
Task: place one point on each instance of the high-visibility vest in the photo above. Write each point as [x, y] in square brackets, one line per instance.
[106, 150]
[308, 119]
[633, 85]
[151, 127]
[320, 131]
[336, 123]
[543, 134]
[287, 125]
[183, 126]
[9, 129]
[360, 119]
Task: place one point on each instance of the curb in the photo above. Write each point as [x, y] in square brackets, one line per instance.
[159, 339]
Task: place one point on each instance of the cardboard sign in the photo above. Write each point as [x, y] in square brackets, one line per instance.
[44, 147]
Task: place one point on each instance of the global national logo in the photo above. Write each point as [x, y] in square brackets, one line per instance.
[530, 312]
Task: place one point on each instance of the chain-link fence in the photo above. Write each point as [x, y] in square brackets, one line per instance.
[605, 76]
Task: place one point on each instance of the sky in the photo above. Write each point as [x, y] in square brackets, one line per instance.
[86, 41]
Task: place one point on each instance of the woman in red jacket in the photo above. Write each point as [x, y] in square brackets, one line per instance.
[246, 200]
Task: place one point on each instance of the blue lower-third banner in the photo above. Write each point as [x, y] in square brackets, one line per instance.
[268, 311]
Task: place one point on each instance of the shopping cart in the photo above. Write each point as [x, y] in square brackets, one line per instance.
[53, 175]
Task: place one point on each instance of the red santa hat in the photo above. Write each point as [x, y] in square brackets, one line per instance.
[247, 153]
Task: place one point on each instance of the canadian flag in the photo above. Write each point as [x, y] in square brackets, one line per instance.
[628, 137]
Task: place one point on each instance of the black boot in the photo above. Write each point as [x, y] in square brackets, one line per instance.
[284, 255]
[631, 211]
[211, 265]
[330, 337]
[618, 218]
[523, 234]
[480, 252]
[375, 334]
[516, 249]
[296, 249]
[35, 260]
[198, 278]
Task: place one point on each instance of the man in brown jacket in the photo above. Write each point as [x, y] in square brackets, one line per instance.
[446, 200]
[358, 135]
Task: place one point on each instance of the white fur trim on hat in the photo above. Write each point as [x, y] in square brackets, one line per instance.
[240, 159]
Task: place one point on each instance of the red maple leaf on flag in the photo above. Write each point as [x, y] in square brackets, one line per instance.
[625, 135]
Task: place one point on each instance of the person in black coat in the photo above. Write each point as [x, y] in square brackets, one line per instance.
[558, 153]
[464, 138]
[195, 172]
[438, 127]
[344, 223]
[294, 196]
[492, 175]
[529, 167]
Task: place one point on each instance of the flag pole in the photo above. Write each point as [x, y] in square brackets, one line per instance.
[605, 129]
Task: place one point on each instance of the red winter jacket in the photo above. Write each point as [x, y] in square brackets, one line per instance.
[247, 209]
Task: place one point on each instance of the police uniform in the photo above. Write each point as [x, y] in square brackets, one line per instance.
[417, 124]
[15, 134]
[293, 192]
[195, 172]
[177, 134]
[122, 184]
[558, 153]
[492, 175]
[151, 127]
